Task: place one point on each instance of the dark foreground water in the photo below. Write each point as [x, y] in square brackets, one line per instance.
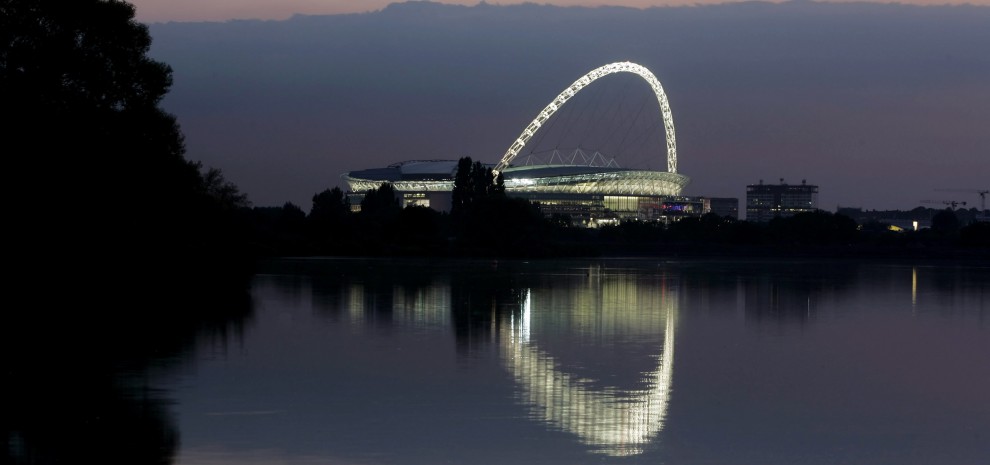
[588, 362]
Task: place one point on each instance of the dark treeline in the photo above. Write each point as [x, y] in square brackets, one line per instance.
[121, 253]
[484, 221]
[880, 217]
[105, 208]
[102, 193]
[816, 233]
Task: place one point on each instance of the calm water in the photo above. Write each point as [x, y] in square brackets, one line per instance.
[589, 362]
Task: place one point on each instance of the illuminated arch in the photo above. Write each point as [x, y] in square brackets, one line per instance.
[573, 89]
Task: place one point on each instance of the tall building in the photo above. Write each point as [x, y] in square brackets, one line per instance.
[767, 201]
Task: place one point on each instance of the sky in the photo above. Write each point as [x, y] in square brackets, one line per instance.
[883, 106]
[222, 10]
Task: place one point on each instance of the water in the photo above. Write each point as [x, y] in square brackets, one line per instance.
[589, 362]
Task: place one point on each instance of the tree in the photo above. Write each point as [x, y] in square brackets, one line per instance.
[329, 221]
[499, 188]
[105, 168]
[79, 100]
[482, 181]
[377, 222]
[975, 234]
[474, 183]
[488, 221]
[331, 204]
[463, 194]
[945, 222]
[225, 193]
[123, 239]
[79, 91]
[816, 227]
[380, 202]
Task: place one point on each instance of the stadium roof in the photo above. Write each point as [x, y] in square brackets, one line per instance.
[438, 175]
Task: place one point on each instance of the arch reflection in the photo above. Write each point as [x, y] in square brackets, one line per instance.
[612, 421]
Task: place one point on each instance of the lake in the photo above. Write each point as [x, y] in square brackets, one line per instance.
[377, 361]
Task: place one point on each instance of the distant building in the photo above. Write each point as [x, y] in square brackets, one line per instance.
[724, 206]
[767, 201]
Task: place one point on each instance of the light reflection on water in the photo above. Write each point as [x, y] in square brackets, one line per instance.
[573, 362]
[611, 420]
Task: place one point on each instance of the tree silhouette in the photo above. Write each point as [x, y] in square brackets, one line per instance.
[486, 220]
[331, 204]
[463, 193]
[328, 223]
[474, 183]
[945, 222]
[817, 227]
[100, 167]
[975, 234]
[125, 242]
[380, 202]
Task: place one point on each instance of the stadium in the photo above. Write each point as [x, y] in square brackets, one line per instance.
[589, 189]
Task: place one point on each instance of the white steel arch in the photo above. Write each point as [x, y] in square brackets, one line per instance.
[573, 89]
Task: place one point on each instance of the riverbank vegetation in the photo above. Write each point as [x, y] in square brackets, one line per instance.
[102, 194]
[122, 253]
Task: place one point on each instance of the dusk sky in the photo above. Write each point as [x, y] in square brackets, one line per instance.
[881, 105]
[221, 10]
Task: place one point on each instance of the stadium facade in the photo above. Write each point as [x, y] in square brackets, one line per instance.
[589, 193]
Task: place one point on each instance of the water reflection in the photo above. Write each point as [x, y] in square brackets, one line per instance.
[79, 384]
[608, 310]
[610, 420]
[589, 347]
[914, 287]
[407, 306]
[575, 360]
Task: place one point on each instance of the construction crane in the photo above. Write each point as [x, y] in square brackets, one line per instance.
[951, 203]
[982, 193]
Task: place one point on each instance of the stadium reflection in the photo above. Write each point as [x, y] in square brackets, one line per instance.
[589, 348]
[608, 419]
